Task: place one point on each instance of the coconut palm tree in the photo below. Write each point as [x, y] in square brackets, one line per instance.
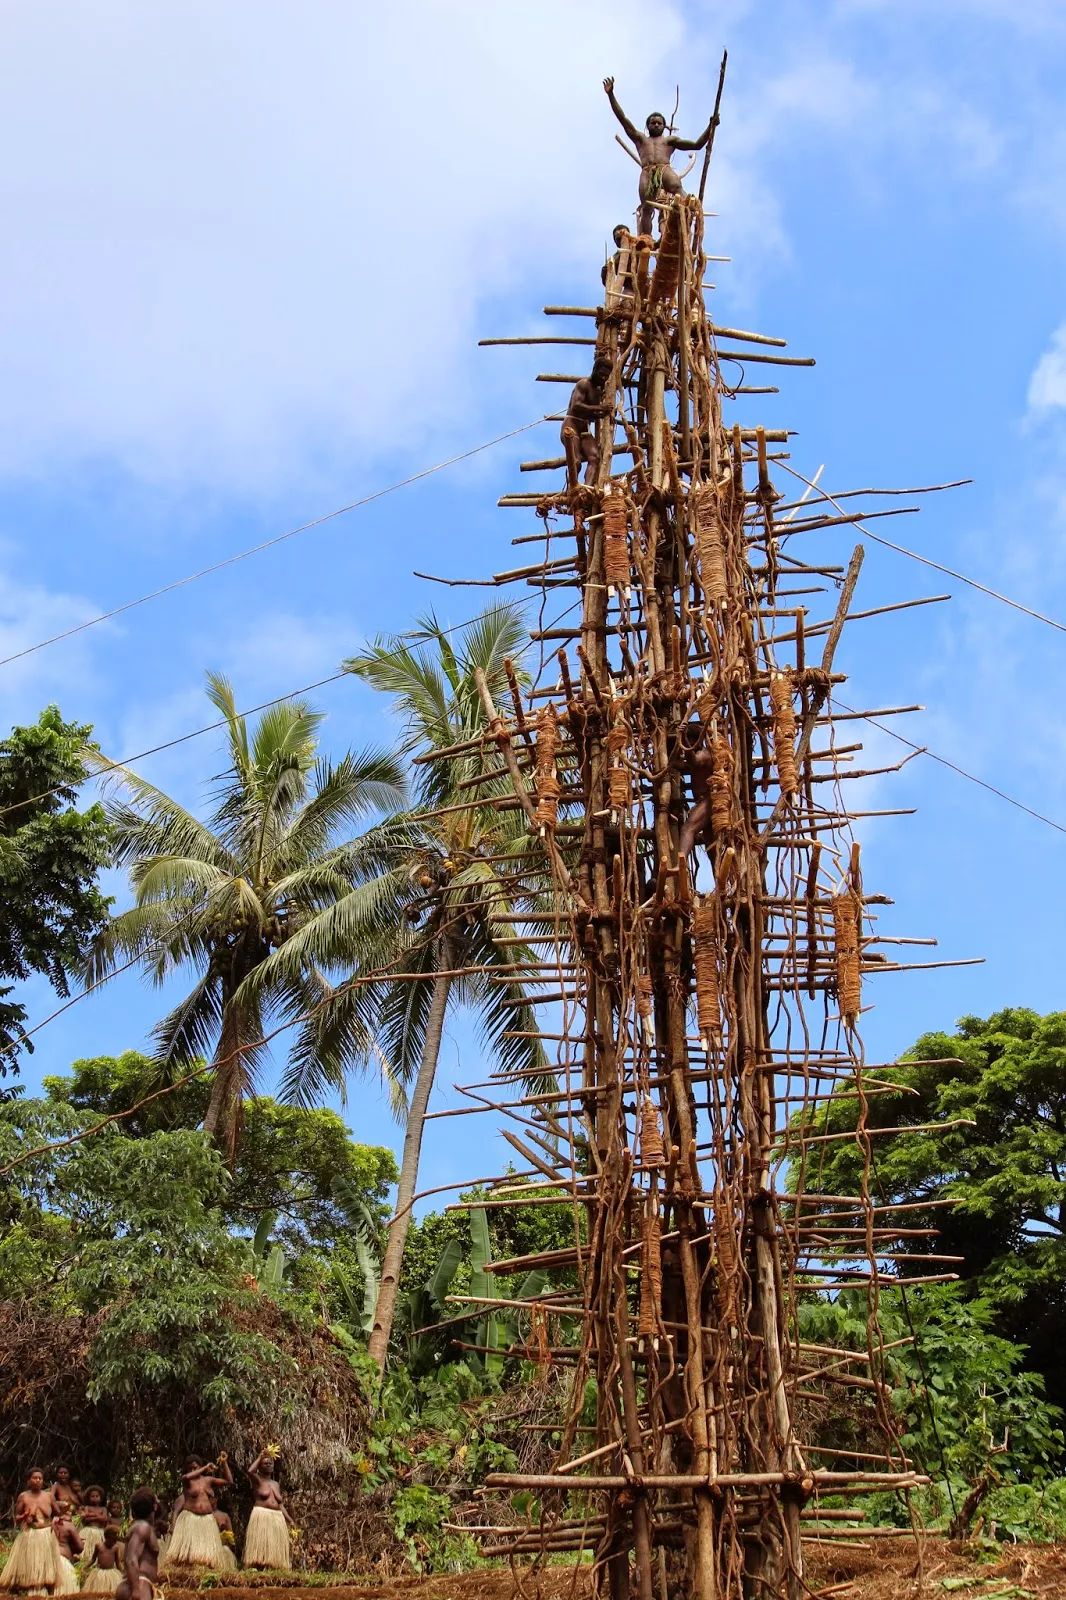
[451, 914]
[218, 897]
[466, 889]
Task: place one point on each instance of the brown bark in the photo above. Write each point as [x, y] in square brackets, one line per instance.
[385, 1310]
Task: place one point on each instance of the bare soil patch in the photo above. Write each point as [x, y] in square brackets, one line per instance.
[885, 1569]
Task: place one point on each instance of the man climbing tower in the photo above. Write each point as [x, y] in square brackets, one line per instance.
[655, 150]
[586, 405]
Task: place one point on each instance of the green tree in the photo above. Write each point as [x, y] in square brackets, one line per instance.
[995, 1094]
[218, 897]
[446, 920]
[465, 906]
[50, 856]
[298, 1164]
[134, 1268]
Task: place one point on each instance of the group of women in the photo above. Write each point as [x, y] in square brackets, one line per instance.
[65, 1533]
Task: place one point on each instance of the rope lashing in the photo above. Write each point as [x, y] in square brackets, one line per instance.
[547, 813]
[784, 734]
[615, 543]
[847, 929]
[710, 547]
[705, 962]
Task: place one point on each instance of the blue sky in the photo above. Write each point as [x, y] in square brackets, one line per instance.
[250, 249]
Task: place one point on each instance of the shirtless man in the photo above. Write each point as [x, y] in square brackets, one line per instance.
[586, 405]
[266, 1543]
[141, 1559]
[700, 766]
[655, 149]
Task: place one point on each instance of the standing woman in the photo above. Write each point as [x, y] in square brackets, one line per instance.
[33, 1565]
[266, 1544]
[195, 1540]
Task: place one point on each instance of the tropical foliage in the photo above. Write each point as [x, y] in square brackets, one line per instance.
[990, 1100]
[216, 898]
[50, 858]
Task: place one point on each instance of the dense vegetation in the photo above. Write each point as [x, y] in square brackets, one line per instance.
[186, 1263]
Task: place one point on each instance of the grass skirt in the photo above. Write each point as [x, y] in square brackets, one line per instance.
[90, 1538]
[99, 1582]
[33, 1565]
[67, 1580]
[229, 1559]
[195, 1542]
[266, 1544]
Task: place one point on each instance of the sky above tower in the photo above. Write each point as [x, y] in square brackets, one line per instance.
[249, 252]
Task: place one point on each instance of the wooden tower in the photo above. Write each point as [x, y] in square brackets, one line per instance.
[694, 1001]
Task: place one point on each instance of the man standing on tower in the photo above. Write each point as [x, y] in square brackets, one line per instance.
[655, 151]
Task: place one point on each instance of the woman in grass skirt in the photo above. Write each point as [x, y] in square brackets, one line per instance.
[266, 1544]
[33, 1565]
[194, 1539]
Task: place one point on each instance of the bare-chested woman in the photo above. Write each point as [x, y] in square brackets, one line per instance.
[655, 149]
[141, 1557]
[266, 1544]
[195, 1540]
[33, 1565]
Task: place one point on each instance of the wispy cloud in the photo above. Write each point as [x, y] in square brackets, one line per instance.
[1047, 386]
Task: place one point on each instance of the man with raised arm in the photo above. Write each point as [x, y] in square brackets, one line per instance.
[655, 150]
[141, 1556]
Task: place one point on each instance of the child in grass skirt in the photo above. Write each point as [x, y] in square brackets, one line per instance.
[104, 1568]
[68, 1539]
[94, 1519]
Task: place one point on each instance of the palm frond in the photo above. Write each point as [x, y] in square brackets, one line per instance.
[191, 1030]
[348, 791]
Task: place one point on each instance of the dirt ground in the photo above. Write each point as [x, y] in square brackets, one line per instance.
[885, 1569]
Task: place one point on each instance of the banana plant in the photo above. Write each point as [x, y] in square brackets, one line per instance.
[267, 1262]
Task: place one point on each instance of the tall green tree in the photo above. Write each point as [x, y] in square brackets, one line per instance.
[296, 1163]
[216, 898]
[450, 925]
[466, 901]
[992, 1101]
[50, 858]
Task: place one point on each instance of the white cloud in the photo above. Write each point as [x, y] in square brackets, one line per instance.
[65, 672]
[1047, 386]
[247, 234]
